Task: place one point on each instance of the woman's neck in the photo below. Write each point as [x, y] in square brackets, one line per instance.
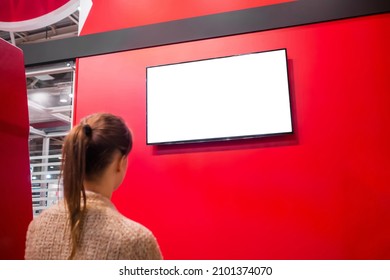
[98, 188]
[109, 179]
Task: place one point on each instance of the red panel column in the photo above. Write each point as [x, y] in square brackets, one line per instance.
[15, 186]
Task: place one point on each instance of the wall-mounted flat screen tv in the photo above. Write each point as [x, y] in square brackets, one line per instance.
[242, 96]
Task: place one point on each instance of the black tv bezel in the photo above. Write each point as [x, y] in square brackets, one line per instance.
[220, 139]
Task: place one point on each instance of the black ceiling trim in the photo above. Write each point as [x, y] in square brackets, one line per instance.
[282, 15]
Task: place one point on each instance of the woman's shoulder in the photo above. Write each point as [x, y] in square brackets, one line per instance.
[137, 241]
[43, 229]
[102, 209]
[127, 225]
[52, 211]
[48, 218]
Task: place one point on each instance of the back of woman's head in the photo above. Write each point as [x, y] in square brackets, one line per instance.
[88, 150]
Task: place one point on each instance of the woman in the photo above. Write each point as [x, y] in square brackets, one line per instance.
[86, 224]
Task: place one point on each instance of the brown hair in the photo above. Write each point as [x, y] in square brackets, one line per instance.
[88, 150]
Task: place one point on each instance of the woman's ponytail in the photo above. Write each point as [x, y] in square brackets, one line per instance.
[73, 174]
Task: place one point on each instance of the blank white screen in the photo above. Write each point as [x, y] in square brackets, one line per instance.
[237, 96]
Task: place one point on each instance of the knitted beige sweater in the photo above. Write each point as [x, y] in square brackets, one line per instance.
[106, 234]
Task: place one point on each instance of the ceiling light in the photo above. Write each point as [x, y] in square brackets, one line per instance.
[64, 97]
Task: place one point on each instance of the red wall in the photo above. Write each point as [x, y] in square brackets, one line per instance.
[321, 194]
[16, 205]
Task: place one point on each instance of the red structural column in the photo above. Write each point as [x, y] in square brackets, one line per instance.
[15, 185]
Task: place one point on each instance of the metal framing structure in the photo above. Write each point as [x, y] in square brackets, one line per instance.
[46, 142]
